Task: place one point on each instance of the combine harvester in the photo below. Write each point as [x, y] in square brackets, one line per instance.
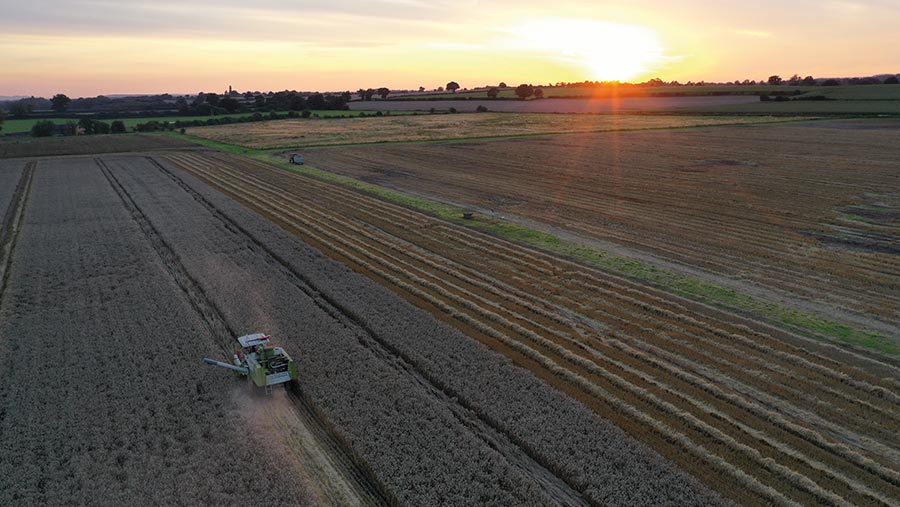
[266, 364]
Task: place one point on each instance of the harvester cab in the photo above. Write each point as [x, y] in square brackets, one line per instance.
[266, 364]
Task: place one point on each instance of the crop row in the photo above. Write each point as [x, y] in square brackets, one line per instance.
[411, 396]
[10, 173]
[101, 400]
[677, 398]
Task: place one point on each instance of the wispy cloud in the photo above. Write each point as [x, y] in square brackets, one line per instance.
[758, 34]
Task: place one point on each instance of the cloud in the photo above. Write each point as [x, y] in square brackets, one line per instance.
[227, 19]
[758, 34]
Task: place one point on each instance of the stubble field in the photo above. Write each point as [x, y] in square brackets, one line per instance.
[428, 127]
[806, 212]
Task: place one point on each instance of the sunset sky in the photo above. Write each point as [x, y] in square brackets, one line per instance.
[85, 48]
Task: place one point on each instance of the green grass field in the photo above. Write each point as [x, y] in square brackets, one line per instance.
[19, 126]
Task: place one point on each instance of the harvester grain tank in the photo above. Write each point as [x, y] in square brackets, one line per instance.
[265, 363]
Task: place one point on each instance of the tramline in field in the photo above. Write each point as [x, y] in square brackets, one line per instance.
[265, 363]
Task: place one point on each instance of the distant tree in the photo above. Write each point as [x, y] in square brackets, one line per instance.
[831, 82]
[502, 85]
[44, 128]
[421, 89]
[775, 80]
[89, 126]
[892, 80]
[383, 92]
[452, 86]
[20, 109]
[523, 91]
[229, 104]
[809, 81]
[362, 94]
[60, 102]
[306, 113]
[794, 80]
[296, 102]
[117, 127]
[492, 93]
[481, 109]
[212, 99]
[538, 93]
[315, 101]
[2, 117]
[452, 110]
[440, 89]
[182, 104]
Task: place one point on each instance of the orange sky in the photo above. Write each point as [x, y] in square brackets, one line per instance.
[85, 48]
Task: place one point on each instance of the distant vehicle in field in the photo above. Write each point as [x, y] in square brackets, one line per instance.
[265, 363]
[297, 158]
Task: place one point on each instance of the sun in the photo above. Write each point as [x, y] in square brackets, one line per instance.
[604, 51]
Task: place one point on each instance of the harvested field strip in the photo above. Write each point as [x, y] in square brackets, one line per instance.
[488, 239]
[529, 258]
[285, 134]
[824, 462]
[368, 490]
[766, 218]
[693, 288]
[12, 219]
[740, 233]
